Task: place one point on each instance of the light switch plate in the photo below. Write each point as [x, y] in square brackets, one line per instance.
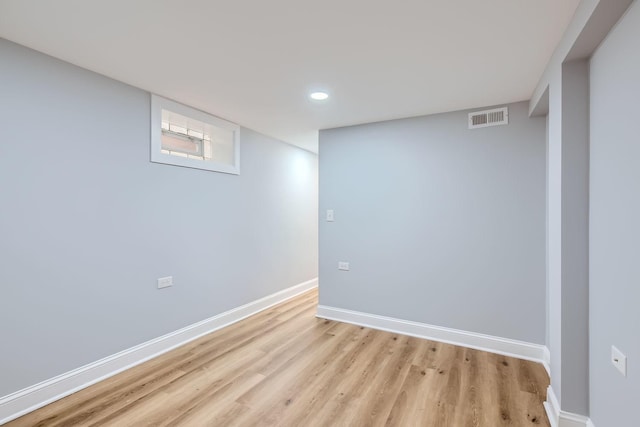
[342, 265]
[619, 360]
[329, 215]
[165, 282]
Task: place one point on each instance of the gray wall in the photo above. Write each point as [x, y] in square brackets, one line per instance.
[614, 316]
[440, 224]
[567, 234]
[88, 223]
[554, 228]
[574, 239]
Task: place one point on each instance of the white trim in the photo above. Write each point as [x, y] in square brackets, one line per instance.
[546, 360]
[31, 398]
[567, 419]
[505, 346]
[560, 418]
[590, 423]
[552, 407]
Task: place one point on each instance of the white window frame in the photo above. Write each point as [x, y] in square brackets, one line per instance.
[158, 104]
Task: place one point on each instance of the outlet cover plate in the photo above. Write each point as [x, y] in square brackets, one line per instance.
[165, 282]
[342, 265]
[619, 360]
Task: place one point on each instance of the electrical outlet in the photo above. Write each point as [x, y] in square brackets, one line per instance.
[165, 282]
[343, 266]
[619, 360]
[329, 215]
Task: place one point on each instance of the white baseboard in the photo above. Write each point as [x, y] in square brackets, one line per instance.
[567, 419]
[552, 407]
[31, 398]
[546, 362]
[560, 418]
[508, 347]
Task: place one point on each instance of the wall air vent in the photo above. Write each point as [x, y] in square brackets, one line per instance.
[495, 117]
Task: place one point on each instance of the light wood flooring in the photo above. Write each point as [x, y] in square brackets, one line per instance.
[284, 367]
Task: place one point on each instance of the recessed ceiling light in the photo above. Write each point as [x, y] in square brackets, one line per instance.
[319, 96]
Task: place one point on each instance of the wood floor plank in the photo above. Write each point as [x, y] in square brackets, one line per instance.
[354, 374]
[284, 367]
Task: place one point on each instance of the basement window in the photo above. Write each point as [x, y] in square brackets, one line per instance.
[184, 136]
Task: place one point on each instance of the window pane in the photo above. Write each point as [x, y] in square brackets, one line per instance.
[173, 143]
[200, 140]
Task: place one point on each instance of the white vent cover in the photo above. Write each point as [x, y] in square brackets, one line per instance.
[495, 117]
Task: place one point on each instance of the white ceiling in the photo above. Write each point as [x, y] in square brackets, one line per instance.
[254, 62]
